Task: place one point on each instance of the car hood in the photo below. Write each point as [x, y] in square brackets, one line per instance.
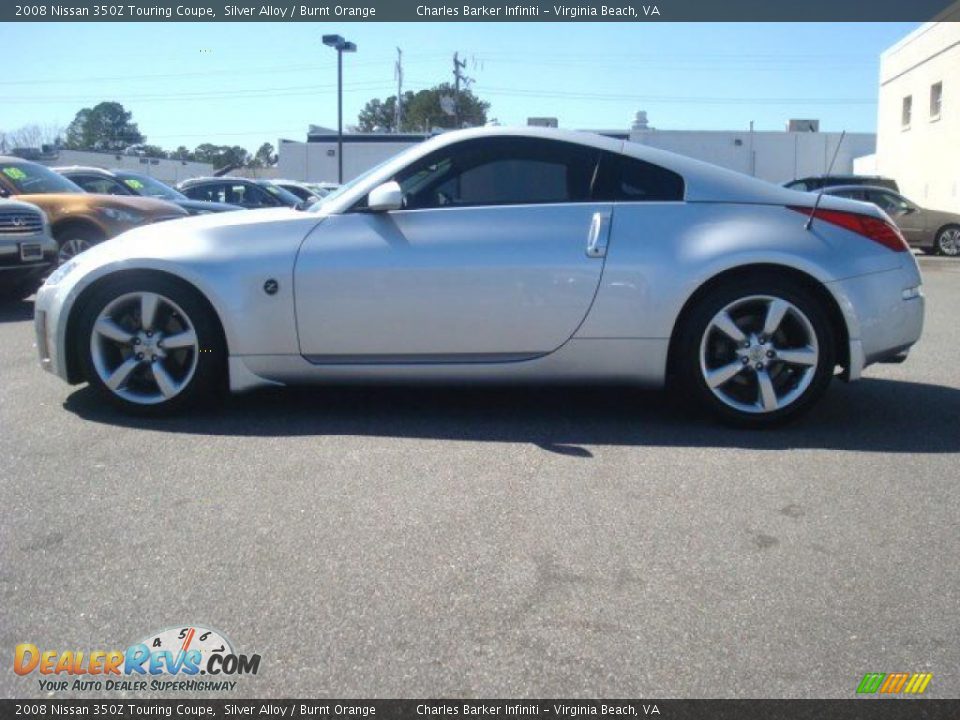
[145, 206]
[207, 239]
[204, 206]
[17, 206]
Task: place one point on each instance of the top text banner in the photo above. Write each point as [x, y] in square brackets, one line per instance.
[491, 11]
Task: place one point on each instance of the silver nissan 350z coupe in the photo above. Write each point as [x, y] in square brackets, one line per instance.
[499, 254]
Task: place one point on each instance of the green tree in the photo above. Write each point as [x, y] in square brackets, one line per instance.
[221, 156]
[425, 110]
[264, 156]
[153, 151]
[106, 126]
[181, 153]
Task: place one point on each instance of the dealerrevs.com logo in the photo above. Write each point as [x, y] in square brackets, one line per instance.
[173, 659]
[894, 683]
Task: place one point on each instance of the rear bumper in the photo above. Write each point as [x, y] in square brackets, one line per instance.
[884, 313]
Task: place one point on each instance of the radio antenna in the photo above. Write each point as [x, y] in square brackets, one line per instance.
[823, 187]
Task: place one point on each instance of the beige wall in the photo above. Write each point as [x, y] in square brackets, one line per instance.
[923, 158]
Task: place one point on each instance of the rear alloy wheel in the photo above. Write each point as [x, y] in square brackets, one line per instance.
[151, 345]
[948, 242]
[758, 355]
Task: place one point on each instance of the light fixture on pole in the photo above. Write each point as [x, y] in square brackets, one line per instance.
[341, 46]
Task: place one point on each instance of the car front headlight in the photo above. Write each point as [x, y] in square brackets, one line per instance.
[124, 216]
[58, 275]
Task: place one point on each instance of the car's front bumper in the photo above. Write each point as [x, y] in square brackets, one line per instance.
[14, 268]
[884, 314]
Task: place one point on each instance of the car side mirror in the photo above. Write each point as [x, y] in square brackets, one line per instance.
[387, 196]
[909, 210]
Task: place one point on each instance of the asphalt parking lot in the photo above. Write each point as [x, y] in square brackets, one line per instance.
[552, 542]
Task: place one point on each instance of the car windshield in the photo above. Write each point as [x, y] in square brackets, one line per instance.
[148, 186]
[32, 179]
[287, 197]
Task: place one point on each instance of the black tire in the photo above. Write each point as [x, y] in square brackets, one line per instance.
[20, 289]
[691, 378]
[71, 234]
[210, 374]
[941, 242]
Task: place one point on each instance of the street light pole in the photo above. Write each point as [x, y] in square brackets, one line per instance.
[341, 46]
[339, 116]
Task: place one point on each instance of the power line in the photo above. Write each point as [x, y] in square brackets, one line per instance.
[574, 95]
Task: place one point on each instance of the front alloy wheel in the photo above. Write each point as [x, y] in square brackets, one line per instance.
[151, 344]
[72, 247]
[144, 348]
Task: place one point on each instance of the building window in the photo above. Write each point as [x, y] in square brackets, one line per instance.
[905, 116]
[936, 99]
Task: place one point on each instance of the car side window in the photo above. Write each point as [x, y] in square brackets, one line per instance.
[100, 185]
[889, 203]
[627, 179]
[210, 192]
[504, 171]
[852, 194]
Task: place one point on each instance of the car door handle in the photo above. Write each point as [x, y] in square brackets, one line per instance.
[599, 232]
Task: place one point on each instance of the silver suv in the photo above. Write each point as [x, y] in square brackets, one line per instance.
[27, 250]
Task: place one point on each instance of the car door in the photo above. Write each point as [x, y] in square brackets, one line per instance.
[487, 261]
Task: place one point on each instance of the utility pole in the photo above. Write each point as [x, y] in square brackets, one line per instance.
[458, 77]
[398, 112]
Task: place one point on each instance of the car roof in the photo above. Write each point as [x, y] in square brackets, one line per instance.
[82, 168]
[883, 188]
[227, 178]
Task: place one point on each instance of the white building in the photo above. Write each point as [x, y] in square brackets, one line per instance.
[769, 155]
[316, 159]
[774, 156]
[918, 123]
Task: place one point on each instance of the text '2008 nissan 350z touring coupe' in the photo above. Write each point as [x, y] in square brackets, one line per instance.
[499, 254]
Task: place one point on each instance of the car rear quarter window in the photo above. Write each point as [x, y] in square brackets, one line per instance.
[625, 179]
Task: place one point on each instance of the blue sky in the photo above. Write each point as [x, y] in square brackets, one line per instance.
[246, 83]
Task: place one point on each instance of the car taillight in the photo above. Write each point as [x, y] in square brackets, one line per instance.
[880, 231]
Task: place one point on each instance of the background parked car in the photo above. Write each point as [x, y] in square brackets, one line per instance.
[27, 251]
[821, 181]
[78, 219]
[931, 230]
[124, 182]
[250, 194]
[303, 191]
[322, 188]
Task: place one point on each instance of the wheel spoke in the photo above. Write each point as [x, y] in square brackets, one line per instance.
[148, 309]
[187, 338]
[776, 311]
[119, 376]
[725, 324]
[768, 396]
[109, 329]
[720, 375]
[167, 385]
[798, 356]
